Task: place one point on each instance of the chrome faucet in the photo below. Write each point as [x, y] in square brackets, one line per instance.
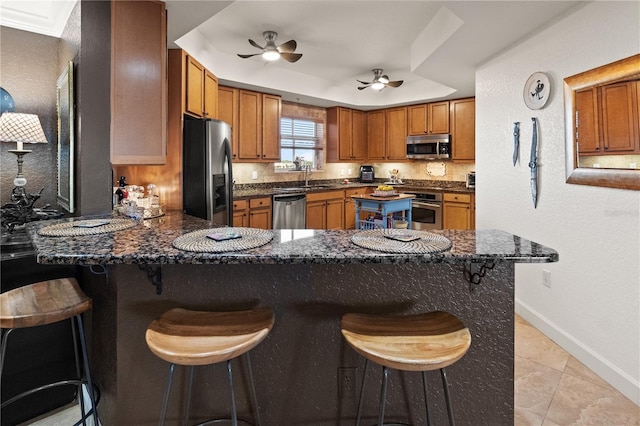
[307, 174]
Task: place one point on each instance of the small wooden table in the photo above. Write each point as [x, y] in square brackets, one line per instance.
[385, 207]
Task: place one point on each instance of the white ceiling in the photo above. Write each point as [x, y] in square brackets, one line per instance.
[434, 46]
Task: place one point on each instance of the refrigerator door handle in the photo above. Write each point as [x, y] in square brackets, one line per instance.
[227, 153]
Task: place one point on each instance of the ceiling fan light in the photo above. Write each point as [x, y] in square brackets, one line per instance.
[270, 55]
[383, 79]
[377, 86]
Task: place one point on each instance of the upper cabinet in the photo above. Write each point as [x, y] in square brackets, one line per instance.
[396, 131]
[608, 118]
[463, 129]
[228, 112]
[258, 126]
[138, 98]
[346, 135]
[201, 91]
[432, 118]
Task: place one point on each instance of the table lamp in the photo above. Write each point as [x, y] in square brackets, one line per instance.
[21, 129]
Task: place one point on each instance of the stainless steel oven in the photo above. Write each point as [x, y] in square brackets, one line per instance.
[426, 210]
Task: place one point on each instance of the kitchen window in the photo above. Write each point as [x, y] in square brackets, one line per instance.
[300, 144]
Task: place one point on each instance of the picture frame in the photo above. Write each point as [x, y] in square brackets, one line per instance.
[66, 139]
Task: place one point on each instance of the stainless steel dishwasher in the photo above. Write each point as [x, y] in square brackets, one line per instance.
[289, 211]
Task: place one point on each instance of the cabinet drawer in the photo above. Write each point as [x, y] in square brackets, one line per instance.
[256, 203]
[356, 191]
[239, 205]
[322, 196]
[457, 198]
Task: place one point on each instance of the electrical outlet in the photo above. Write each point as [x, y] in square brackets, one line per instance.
[341, 172]
[349, 172]
[254, 175]
[633, 165]
[347, 377]
[546, 278]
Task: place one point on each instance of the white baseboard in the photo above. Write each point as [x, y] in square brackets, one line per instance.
[617, 378]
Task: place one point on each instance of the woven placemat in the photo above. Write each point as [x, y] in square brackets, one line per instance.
[86, 227]
[199, 242]
[378, 239]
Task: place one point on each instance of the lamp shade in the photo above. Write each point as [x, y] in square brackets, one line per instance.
[21, 128]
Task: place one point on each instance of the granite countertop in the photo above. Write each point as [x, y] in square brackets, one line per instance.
[151, 243]
[268, 189]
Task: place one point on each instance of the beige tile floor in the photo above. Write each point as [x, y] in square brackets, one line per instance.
[552, 389]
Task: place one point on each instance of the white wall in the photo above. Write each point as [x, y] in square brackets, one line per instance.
[593, 306]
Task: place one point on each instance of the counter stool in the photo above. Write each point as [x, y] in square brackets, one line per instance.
[43, 303]
[190, 338]
[419, 342]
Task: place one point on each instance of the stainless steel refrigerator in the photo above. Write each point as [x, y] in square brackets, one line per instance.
[207, 182]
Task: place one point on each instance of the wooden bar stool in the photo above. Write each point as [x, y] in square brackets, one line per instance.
[44, 303]
[420, 342]
[190, 338]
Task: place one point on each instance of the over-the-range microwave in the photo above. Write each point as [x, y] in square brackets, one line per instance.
[429, 147]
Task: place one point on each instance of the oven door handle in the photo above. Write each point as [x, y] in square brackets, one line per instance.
[421, 204]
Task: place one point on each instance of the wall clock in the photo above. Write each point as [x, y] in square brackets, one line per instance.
[6, 101]
[537, 90]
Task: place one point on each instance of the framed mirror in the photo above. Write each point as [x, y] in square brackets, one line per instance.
[602, 125]
[66, 139]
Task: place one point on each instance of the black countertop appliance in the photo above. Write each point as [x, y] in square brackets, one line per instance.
[366, 174]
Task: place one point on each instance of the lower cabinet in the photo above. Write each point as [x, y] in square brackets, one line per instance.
[254, 213]
[350, 206]
[458, 211]
[325, 210]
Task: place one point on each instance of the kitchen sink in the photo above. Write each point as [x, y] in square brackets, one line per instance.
[302, 188]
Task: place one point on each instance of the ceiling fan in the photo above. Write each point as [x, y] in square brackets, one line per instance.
[379, 81]
[271, 52]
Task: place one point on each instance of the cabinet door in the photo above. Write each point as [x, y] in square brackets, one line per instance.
[618, 117]
[587, 121]
[463, 129]
[138, 99]
[316, 215]
[456, 216]
[335, 214]
[397, 133]
[228, 112]
[240, 219]
[345, 128]
[250, 125]
[359, 135]
[260, 218]
[271, 111]
[376, 135]
[438, 117]
[417, 120]
[195, 87]
[210, 95]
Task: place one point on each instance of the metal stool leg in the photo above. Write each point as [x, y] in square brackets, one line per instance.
[383, 395]
[83, 412]
[234, 414]
[4, 349]
[87, 371]
[163, 413]
[254, 397]
[189, 386]
[361, 398]
[426, 397]
[445, 384]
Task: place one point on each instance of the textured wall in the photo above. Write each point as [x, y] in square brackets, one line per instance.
[29, 71]
[593, 306]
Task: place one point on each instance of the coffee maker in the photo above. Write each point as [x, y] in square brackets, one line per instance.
[366, 174]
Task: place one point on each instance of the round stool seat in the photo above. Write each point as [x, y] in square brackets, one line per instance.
[420, 342]
[186, 337]
[42, 303]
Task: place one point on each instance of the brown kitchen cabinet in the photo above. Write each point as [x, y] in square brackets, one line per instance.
[201, 90]
[138, 99]
[350, 205]
[376, 135]
[346, 135]
[431, 118]
[258, 126]
[463, 129]
[240, 213]
[396, 133]
[608, 118]
[228, 112]
[260, 212]
[325, 210]
[457, 211]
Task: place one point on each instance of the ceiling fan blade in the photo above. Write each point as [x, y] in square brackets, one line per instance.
[395, 83]
[288, 47]
[368, 83]
[248, 56]
[254, 44]
[363, 87]
[290, 57]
